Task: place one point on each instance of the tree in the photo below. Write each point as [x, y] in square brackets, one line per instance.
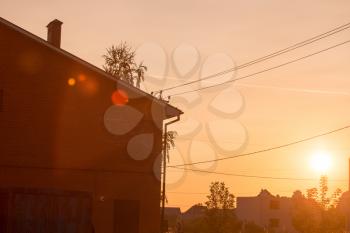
[323, 199]
[317, 213]
[306, 213]
[170, 141]
[220, 197]
[120, 63]
[220, 217]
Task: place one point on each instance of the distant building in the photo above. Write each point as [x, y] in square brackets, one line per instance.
[173, 218]
[266, 210]
[196, 211]
[67, 126]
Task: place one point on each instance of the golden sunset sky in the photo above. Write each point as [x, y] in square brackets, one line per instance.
[278, 107]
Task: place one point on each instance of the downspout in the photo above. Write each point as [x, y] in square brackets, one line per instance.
[164, 169]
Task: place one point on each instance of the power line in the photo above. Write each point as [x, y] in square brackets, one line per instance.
[207, 193]
[196, 193]
[265, 70]
[267, 57]
[252, 176]
[272, 55]
[264, 150]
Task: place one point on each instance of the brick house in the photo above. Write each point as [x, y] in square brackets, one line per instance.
[67, 125]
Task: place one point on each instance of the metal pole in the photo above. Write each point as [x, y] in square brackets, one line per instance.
[164, 170]
[349, 175]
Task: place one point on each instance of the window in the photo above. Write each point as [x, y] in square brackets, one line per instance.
[274, 222]
[126, 216]
[274, 204]
[41, 210]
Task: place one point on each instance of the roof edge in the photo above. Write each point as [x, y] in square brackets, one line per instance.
[89, 65]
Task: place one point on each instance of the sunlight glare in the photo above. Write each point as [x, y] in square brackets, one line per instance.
[321, 162]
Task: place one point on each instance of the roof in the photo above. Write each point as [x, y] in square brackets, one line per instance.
[265, 192]
[172, 111]
[195, 211]
[172, 211]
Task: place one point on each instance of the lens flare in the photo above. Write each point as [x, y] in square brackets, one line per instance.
[120, 98]
[71, 82]
[82, 78]
[88, 86]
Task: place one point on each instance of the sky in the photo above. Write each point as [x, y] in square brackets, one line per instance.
[184, 40]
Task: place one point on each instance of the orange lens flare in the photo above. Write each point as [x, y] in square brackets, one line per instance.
[82, 78]
[89, 86]
[71, 82]
[120, 98]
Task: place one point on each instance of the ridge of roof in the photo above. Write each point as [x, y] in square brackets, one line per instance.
[84, 63]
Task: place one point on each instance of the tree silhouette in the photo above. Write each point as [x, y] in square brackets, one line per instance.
[120, 63]
[220, 197]
[317, 212]
[170, 141]
[220, 217]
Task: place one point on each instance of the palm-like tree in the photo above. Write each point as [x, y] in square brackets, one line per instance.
[170, 141]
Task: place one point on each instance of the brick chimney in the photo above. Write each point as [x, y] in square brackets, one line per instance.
[54, 33]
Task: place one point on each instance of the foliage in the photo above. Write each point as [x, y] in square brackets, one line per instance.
[120, 63]
[306, 212]
[323, 199]
[220, 217]
[220, 197]
[170, 141]
[317, 212]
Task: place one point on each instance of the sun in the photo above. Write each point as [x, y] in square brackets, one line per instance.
[321, 162]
